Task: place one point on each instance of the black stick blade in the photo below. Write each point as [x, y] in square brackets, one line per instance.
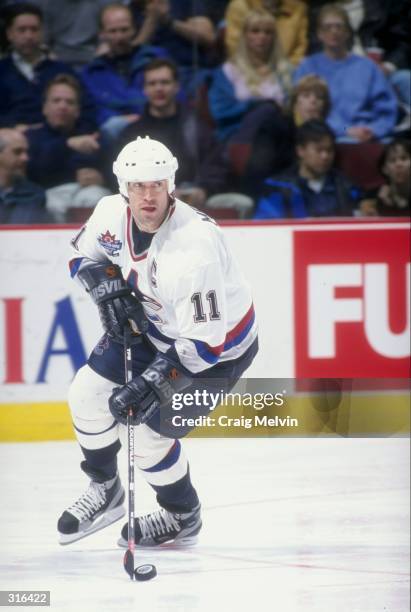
[128, 563]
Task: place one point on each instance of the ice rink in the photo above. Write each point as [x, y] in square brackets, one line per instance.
[289, 525]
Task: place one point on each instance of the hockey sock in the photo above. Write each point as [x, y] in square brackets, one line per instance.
[179, 496]
[103, 459]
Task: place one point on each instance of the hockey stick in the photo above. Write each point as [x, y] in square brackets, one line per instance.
[129, 554]
[147, 571]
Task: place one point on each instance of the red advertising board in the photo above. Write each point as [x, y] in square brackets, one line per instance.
[352, 302]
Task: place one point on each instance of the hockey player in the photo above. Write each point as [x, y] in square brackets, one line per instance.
[154, 264]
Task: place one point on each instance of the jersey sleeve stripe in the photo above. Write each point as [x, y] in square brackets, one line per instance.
[206, 352]
[240, 331]
[74, 265]
[210, 354]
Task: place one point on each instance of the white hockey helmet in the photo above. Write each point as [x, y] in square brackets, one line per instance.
[144, 160]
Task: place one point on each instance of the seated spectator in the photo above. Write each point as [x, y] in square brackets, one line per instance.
[62, 155]
[291, 18]
[380, 31]
[26, 70]
[183, 29]
[201, 169]
[312, 188]
[71, 29]
[364, 106]
[393, 198]
[247, 97]
[115, 79]
[21, 201]
[309, 99]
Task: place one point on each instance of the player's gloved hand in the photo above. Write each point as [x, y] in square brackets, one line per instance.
[118, 308]
[146, 393]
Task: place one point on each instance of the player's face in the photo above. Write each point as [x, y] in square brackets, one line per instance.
[317, 157]
[148, 203]
[118, 30]
[25, 35]
[61, 107]
[160, 87]
[14, 156]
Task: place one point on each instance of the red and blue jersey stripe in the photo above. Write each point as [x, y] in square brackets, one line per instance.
[211, 354]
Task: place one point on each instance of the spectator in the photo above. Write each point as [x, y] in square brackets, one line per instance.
[291, 17]
[309, 99]
[393, 198]
[247, 98]
[201, 169]
[312, 188]
[115, 79]
[71, 29]
[380, 30]
[183, 28]
[25, 72]
[63, 157]
[21, 201]
[364, 106]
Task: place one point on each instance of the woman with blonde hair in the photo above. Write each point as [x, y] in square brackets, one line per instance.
[256, 73]
[248, 95]
[292, 22]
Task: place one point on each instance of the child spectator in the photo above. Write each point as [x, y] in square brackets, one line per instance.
[393, 198]
[309, 99]
[312, 188]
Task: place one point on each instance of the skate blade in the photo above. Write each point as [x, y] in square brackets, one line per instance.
[182, 543]
[106, 519]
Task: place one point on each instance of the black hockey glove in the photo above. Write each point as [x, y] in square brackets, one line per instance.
[146, 393]
[117, 306]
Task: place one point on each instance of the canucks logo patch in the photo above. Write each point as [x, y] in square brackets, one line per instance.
[110, 244]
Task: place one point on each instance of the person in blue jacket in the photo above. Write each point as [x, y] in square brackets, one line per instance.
[115, 79]
[363, 103]
[311, 188]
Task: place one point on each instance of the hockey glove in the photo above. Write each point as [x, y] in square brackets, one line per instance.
[117, 306]
[146, 393]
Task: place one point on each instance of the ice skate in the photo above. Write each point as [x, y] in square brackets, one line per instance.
[162, 527]
[99, 506]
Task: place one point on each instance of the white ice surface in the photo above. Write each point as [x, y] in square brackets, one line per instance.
[289, 525]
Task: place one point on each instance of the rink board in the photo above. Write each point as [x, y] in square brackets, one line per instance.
[332, 300]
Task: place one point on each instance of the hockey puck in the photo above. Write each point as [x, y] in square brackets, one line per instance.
[145, 572]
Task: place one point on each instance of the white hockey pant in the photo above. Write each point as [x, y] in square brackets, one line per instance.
[96, 428]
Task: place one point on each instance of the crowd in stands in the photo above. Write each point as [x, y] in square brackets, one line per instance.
[274, 108]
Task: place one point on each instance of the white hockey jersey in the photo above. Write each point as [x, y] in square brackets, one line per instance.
[192, 290]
